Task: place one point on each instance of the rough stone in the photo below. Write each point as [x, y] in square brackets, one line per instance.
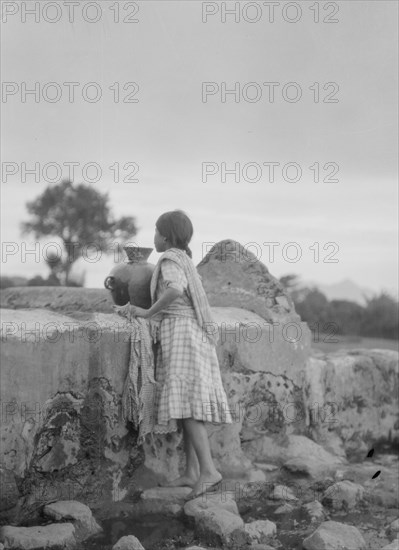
[292, 447]
[266, 467]
[234, 276]
[394, 545]
[83, 520]
[281, 492]
[316, 468]
[392, 530]
[332, 535]
[260, 530]
[130, 542]
[58, 536]
[256, 475]
[218, 525]
[354, 394]
[223, 501]
[284, 509]
[57, 298]
[343, 495]
[9, 493]
[314, 509]
[166, 494]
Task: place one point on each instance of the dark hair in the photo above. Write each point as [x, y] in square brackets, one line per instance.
[176, 226]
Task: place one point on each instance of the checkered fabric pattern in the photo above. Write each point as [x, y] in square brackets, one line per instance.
[189, 383]
[195, 290]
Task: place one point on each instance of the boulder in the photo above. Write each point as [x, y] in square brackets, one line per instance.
[284, 509]
[392, 530]
[315, 510]
[292, 450]
[332, 535]
[353, 394]
[343, 495]
[83, 520]
[260, 530]
[130, 542]
[56, 535]
[281, 492]
[9, 493]
[166, 494]
[219, 526]
[233, 276]
[224, 500]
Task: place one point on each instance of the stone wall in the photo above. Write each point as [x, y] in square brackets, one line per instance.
[65, 359]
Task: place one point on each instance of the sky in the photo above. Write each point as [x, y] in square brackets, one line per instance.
[334, 110]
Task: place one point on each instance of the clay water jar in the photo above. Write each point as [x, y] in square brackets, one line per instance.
[130, 281]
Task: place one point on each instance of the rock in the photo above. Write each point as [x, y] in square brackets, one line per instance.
[316, 468]
[57, 298]
[343, 495]
[284, 509]
[332, 535]
[353, 393]
[394, 545]
[256, 475]
[9, 493]
[392, 530]
[130, 542]
[233, 276]
[167, 494]
[83, 520]
[290, 448]
[59, 535]
[314, 509]
[261, 547]
[282, 492]
[260, 529]
[164, 500]
[223, 501]
[218, 525]
[266, 467]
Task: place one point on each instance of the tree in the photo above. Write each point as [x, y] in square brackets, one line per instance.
[293, 286]
[80, 216]
[347, 316]
[381, 317]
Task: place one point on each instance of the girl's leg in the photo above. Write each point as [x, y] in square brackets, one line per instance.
[199, 439]
[192, 472]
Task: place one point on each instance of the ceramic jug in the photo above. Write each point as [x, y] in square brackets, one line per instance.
[130, 281]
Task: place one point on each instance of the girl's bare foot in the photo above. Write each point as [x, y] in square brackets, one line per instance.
[182, 481]
[205, 482]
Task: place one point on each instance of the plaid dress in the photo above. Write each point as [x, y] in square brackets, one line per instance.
[189, 383]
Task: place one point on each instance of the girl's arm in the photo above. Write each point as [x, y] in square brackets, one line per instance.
[167, 297]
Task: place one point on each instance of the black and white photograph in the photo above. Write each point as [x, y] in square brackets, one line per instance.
[199, 275]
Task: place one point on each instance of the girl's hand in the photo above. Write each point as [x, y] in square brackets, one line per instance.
[130, 312]
[139, 312]
[123, 311]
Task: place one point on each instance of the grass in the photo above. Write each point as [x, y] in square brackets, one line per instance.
[328, 343]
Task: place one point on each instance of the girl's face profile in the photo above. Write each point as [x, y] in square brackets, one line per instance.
[159, 241]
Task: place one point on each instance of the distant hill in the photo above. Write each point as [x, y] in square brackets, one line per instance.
[344, 290]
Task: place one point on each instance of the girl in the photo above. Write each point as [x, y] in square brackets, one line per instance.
[189, 385]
